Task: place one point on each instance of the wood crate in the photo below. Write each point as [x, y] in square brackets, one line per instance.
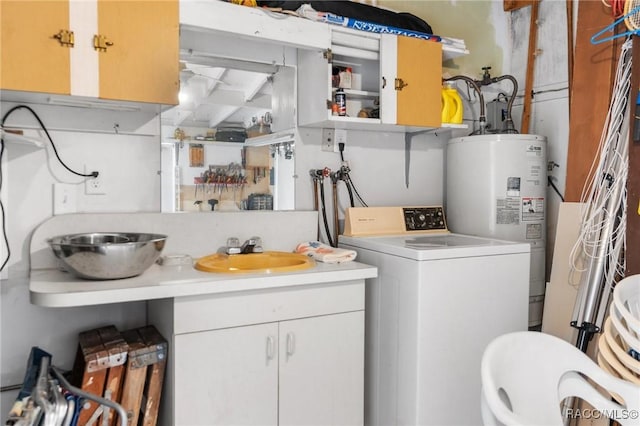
[144, 375]
[126, 367]
[99, 369]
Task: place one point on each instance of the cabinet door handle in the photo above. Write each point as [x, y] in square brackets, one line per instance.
[291, 344]
[270, 347]
[384, 82]
[400, 84]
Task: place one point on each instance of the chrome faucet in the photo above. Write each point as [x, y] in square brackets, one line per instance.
[252, 245]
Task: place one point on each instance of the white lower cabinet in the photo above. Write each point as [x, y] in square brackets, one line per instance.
[300, 372]
[278, 357]
[227, 377]
[321, 370]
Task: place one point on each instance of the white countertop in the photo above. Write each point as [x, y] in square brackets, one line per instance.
[55, 288]
[195, 234]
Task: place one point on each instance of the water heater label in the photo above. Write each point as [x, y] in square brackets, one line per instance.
[532, 209]
[534, 231]
[513, 186]
[508, 211]
[534, 151]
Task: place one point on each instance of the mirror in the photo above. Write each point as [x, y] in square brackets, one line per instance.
[221, 149]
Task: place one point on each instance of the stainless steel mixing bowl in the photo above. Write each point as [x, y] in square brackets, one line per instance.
[107, 255]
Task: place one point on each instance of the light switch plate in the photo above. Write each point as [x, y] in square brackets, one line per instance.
[64, 198]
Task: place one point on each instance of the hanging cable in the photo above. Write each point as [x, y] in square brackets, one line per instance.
[42, 126]
[336, 224]
[324, 214]
[2, 148]
[350, 182]
[344, 175]
[555, 188]
[4, 221]
[314, 179]
[318, 176]
[350, 191]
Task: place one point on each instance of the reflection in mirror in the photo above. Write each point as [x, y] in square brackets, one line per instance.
[219, 149]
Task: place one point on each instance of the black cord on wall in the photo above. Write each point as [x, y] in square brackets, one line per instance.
[55, 151]
[4, 221]
[555, 188]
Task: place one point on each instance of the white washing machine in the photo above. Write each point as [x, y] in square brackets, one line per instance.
[437, 302]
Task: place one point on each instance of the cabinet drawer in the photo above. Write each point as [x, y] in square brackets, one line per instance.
[212, 312]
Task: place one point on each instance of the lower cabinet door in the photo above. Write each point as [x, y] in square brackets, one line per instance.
[227, 377]
[322, 370]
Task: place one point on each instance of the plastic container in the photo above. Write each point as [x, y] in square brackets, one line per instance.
[341, 101]
[452, 109]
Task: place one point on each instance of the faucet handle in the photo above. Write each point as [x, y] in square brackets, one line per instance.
[258, 245]
[233, 245]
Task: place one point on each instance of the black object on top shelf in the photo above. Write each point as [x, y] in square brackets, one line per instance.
[359, 11]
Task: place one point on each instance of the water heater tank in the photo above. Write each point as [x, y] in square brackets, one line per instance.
[496, 187]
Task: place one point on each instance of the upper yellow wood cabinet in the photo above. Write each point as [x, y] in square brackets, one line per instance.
[394, 85]
[418, 83]
[108, 49]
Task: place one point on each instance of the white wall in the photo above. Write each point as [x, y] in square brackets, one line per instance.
[129, 163]
[550, 106]
[377, 162]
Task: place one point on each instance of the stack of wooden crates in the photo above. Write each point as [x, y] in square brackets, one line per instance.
[127, 368]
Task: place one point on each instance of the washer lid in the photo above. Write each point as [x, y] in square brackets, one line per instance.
[447, 240]
[431, 247]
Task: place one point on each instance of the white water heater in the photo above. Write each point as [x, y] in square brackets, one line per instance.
[496, 187]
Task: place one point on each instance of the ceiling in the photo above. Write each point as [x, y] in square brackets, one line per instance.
[219, 96]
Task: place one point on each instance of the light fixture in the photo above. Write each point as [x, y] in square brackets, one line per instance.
[183, 96]
[202, 58]
[92, 103]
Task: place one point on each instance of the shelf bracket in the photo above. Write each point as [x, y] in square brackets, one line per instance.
[407, 152]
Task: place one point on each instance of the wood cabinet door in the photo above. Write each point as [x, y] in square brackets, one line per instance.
[31, 58]
[143, 63]
[322, 370]
[420, 68]
[227, 377]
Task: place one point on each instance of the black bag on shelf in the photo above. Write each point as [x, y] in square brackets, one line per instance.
[363, 12]
[231, 134]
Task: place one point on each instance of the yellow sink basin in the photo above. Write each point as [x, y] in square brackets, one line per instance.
[267, 262]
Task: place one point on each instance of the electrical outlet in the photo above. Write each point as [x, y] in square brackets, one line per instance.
[328, 140]
[340, 136]
[93, 186]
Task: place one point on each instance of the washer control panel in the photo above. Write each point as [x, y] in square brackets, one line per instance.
[424, 219]
[374, 221]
